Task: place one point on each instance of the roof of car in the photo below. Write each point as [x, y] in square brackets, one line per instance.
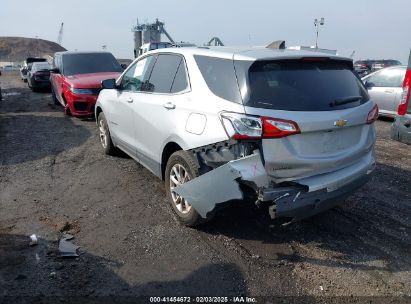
[40, 63]
[247, 53]
[81, 52]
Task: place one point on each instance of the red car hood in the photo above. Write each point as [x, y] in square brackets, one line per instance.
[92, 80]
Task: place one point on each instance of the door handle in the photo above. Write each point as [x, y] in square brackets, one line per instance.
[129, 99]
[169, 106]
[389, 91]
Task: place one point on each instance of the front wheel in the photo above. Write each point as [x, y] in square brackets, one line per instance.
[54, 97]
[182, 167]
[104, 135]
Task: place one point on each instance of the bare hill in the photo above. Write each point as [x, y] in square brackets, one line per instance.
[19, 48]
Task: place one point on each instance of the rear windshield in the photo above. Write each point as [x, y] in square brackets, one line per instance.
[301, 85]
[41, 66]
[74, 64]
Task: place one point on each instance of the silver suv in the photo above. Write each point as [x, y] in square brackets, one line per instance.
[294, 129]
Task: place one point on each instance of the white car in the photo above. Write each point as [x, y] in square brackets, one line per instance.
[385, 88]
[292, 128]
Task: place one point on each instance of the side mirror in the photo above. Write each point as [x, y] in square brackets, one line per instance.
[108, 84]
[369, 84]
[55, 71]
[124, 66]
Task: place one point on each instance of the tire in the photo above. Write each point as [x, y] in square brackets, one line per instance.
[182, 158]
[53, 96]
[104, 135]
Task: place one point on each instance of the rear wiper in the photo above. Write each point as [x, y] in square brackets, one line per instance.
[342, 101]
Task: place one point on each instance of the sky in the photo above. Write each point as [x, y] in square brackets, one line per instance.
[374, 29]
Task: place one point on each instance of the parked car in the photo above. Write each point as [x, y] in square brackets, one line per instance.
[385, 88]
[76, 79]
[380, 64]
[9, 68]
[294, 129]
[39, 76]
[25, 68]
[363, 67]
[401, 128]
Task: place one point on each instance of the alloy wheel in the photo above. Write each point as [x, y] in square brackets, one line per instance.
[178, 176]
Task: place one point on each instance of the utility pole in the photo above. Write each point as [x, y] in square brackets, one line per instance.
[317, 24]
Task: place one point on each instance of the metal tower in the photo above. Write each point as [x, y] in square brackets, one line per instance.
[149, 32]
[60, 37]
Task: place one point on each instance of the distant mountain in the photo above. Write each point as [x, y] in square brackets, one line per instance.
[19, 48]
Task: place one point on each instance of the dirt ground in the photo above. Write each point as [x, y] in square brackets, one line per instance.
[55, 178]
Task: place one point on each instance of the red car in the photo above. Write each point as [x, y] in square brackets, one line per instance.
[76, 79]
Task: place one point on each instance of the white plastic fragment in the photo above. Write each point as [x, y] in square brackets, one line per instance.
[33, 240]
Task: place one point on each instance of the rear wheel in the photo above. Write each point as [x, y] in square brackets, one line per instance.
[181, 168]
[104, 135]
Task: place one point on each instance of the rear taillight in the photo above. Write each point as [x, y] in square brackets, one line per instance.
[372, 115]
[274, 127]
[405, 97]
[241, 126]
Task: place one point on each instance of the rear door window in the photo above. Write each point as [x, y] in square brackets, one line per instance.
[163, 74]
[180, 82]
[301, 85]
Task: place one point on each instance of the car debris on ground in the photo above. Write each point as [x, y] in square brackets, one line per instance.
[66, 247]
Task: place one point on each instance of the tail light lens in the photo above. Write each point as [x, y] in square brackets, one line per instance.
[240, 126]
[372, 115]
[274, 127]
[402, 107]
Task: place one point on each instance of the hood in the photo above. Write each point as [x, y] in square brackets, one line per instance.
[92, 80]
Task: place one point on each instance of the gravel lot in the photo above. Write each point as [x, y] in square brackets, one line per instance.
[54, 178]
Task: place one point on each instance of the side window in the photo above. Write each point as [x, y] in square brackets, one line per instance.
[388, 78]
[180, 80]
[163, 74]
[219, 74]
[137, 74]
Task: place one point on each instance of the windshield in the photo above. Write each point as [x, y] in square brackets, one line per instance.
[74, 64]
[300, 85]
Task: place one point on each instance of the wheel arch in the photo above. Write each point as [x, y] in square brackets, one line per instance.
[168, 150]
[98, 111]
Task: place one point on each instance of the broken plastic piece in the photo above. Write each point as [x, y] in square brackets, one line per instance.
[66, 248]
[33, 240]
[222, 184]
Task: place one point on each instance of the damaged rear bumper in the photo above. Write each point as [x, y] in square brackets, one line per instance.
[296, 203]
[299, 199]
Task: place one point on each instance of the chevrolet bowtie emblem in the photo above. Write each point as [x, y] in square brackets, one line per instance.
[340, 123]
